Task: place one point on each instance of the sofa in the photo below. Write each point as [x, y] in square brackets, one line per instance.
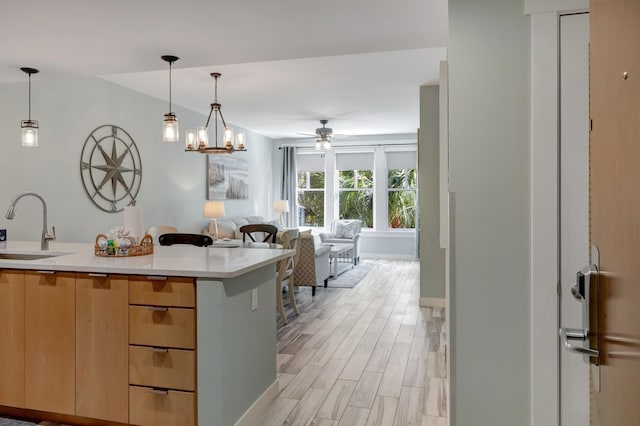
[312, 267]
[229, 227]
[344, 231]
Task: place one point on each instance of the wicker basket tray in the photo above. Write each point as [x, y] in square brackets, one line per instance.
[145, 247]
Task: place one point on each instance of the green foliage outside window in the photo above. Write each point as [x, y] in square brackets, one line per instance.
[401, 209]
[356, 196]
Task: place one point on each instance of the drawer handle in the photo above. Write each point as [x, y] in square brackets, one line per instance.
[98, 275]
[46, 272]
[158, 391]
[157, 309]
[156, 278]
[159, 350]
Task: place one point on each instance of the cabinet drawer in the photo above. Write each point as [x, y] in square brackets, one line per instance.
[161, 408]
[163, 368]
[165, 327]
[179, 292]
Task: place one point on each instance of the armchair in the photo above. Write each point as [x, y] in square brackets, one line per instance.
[312, 268]
[344, 231]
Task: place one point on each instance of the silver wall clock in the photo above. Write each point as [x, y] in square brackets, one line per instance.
[111, 168]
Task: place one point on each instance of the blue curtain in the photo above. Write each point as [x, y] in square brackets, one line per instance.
[289, 184]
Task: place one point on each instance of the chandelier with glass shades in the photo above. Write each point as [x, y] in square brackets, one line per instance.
[198, 140]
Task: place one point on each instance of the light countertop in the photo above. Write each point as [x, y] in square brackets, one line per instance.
[177, 260]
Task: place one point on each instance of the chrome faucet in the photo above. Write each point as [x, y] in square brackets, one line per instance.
[46, 237]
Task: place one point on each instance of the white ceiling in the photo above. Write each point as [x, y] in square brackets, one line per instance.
[285, 64]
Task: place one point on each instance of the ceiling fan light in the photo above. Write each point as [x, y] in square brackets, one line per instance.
[326, 144]
[318, 144]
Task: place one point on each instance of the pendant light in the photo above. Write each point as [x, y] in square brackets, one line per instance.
[29, 127]
[170, 126]
[198, 140]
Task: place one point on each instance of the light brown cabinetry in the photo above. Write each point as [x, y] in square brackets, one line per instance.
[162, 356]
[102, 342]
[50, 341]
[12, 338]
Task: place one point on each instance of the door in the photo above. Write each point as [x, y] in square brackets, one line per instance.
[615, 207]
[102, 347]
[50, 332]
[12, 338]
[574, 204]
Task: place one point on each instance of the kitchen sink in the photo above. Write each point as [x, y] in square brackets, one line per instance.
[29, 256]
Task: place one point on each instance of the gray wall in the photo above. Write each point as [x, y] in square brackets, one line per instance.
[432, 261]
[173, 181]
[489, 135]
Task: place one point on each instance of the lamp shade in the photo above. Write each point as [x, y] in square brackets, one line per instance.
[213, 209]
[281, 206]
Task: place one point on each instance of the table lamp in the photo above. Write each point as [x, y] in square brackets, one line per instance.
[213, 210]
[282, 207]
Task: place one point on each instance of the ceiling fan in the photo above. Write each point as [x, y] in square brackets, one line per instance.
[323, 135]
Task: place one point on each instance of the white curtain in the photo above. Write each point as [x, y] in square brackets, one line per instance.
[289, 185]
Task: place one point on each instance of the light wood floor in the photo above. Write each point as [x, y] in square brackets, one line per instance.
[363, 356]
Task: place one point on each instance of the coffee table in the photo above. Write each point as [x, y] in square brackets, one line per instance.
[340, 259]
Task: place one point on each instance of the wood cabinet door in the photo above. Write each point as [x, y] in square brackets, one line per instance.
[12, 338]
[50, 341]
[102, 345]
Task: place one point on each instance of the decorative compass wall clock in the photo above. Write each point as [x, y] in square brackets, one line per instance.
[111, 168]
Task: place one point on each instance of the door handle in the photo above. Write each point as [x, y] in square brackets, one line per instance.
[567, 334]
[585, 291]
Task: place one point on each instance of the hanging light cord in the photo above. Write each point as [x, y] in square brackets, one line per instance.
[170, 63]
[29, 96]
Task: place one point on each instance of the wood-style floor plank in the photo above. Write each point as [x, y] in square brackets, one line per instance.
[336, 402]
[383, 411]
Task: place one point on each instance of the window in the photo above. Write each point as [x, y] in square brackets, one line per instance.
[310, 190]
[355, 187]
[376, 184]
[401, 189]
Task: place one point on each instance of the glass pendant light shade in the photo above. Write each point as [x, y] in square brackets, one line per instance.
[170, 132]
[240, 140]
[228, 137]
[29, 133]
[29, 127]
[202, 137]
[318, 144]
[326, 145]
[190, 140]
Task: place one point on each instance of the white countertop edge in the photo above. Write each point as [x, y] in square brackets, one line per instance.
[176, 261]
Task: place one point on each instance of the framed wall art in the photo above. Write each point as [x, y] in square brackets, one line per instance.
[227, 177]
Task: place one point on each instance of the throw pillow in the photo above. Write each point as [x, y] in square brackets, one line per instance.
[345, 229]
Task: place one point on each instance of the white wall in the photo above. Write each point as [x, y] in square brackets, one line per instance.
[173, 181]
[544, 223]
[489, 136]
[538, 6]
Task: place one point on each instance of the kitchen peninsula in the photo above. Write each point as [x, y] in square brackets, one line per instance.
[171, 338]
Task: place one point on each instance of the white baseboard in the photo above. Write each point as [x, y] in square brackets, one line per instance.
[259, 406]
[387, 256]
[432, 302]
